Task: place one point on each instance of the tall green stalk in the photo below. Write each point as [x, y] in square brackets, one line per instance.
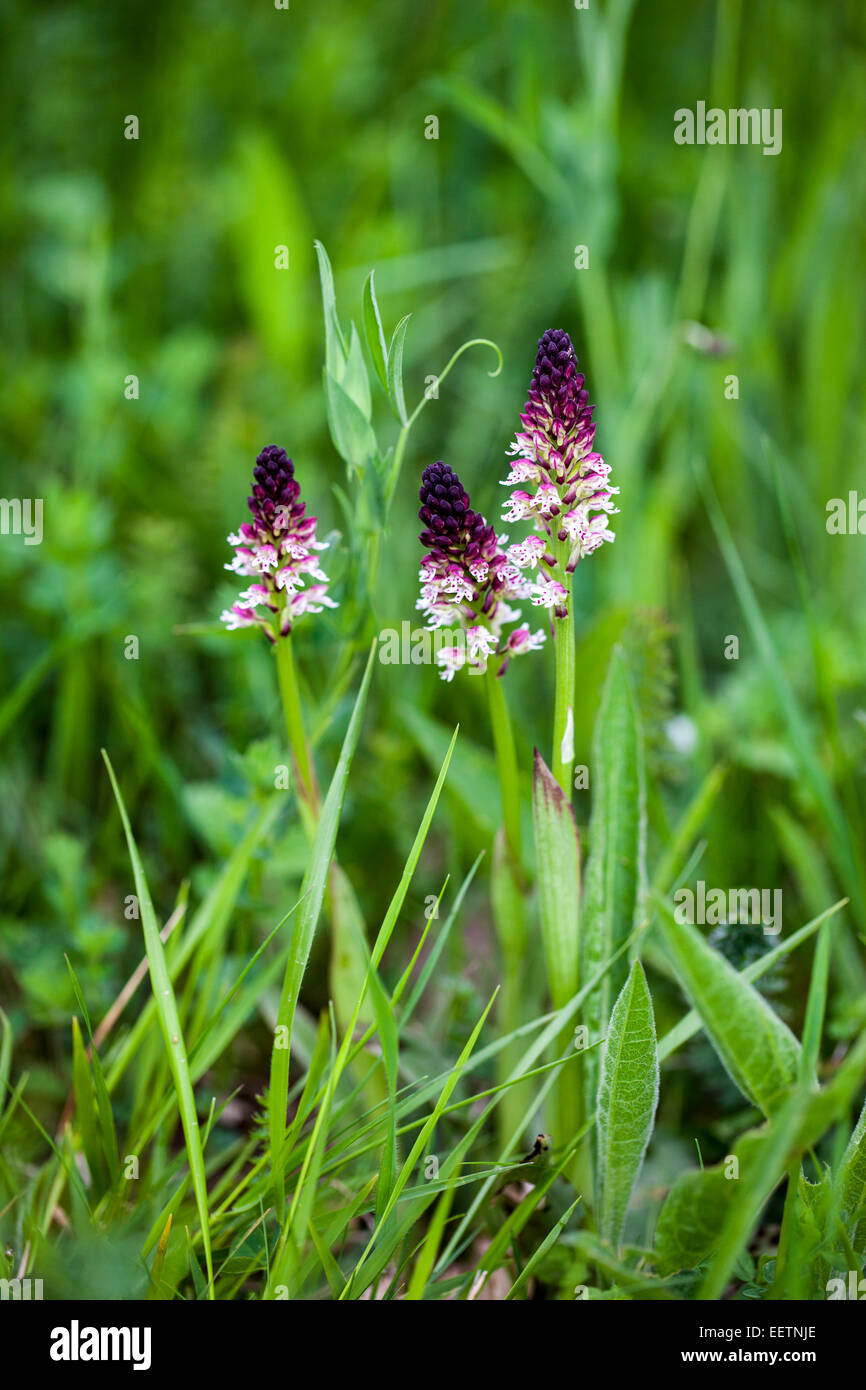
[506, 764]
[291, 700]
[562, 764]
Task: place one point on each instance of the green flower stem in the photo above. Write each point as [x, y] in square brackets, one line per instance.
[563, 639]
[295, 723]
[348, 960]
[506, 763]
[508, 903]
[516, 1000]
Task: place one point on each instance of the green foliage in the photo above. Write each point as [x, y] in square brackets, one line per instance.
[759, 1051]
[615, 874]
[169, 308]
[557, 855]
[628, 1092]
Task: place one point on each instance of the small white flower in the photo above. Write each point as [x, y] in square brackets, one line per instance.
[266, 557]
[255, 595]
[481, 642]
[518, 507]
[548, 593]
[527, 553]
[451, 659]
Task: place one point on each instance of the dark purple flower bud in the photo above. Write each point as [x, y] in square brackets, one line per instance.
[557, 385]
[466, 580]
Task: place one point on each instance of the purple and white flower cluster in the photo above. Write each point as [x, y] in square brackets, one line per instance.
[277, 551]
[466, 579]
[562, 484]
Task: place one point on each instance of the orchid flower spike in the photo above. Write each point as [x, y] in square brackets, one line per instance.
[562, 483]
[466, 580]
[277, 552]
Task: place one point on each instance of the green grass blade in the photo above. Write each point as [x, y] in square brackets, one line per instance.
[802, 746]
[312, 894]
[166, 1006]
[420, 1143]
[85, 1110]
[538, 1255]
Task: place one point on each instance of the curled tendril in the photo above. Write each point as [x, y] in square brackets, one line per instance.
[404, 433]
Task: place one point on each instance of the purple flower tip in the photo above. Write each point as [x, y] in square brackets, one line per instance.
[466, 580]
[555, 378]
[274, 486]
[450, 523]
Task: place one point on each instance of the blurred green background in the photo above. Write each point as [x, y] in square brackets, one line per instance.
[155, 257]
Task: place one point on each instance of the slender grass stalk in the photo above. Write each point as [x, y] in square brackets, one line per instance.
[169, 1019]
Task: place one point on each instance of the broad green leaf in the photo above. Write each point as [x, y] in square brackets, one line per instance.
[395, 370]
[349, 428]
[349, 954]
[628, 1092]
[799, 1124]
[715, 1209]
[852, 1186]
[557, 852]
[335, 344]
[807, 1270]
[615, 876]
[374, 332]
[691, 1022]
[312, 895]
[169, 1020]
[691, 1220]
[355, 380]
[758, 1050]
